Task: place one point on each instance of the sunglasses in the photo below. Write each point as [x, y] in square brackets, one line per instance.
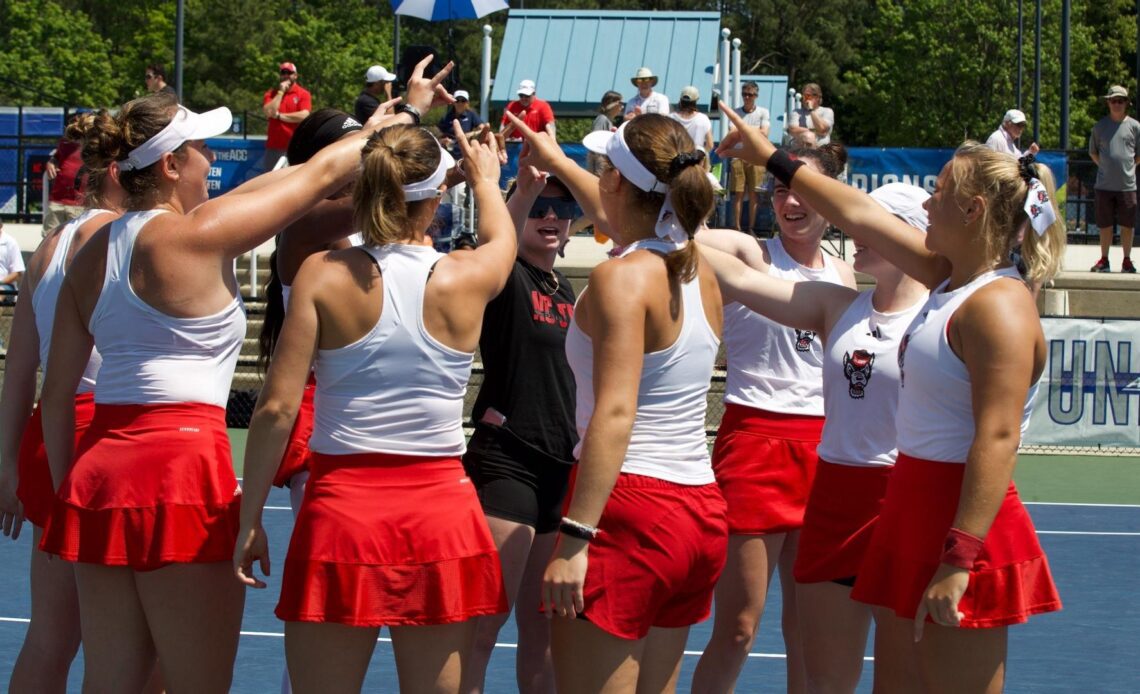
[563, 209]
[1118, 100]
[749, 95]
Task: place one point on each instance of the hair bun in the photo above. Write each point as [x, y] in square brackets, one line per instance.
[684, 160]
[1025, 167]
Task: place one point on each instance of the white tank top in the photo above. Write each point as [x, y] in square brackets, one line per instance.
[861, 384]
[152, 357]
[397, 389]
[46, 295]
[772, 367]
[668, 438]
[356, 239]
[936, 418]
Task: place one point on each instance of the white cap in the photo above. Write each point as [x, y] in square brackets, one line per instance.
[904, 201]
[1013, 116]
[526, 88]
[185, 126]
[690, 93]
[378, 73]
[462, 94]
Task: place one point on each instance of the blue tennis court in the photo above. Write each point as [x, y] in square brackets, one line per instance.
[1092, 645]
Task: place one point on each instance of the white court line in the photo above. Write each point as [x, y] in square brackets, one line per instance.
[1081, 532]
[277, 635]
[1062, 503]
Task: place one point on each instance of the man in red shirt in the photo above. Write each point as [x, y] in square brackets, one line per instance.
[532, 110]
[68, 182]
[285, 105]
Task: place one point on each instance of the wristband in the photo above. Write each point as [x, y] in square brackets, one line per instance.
[581, 531]
[783, 166]
[411, 111]
[960, 549]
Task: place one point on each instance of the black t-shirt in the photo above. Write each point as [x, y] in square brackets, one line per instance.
[526, 376]
[366, 105]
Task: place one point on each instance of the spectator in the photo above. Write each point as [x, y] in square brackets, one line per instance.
[1005, 138]
[285, 105]
[469, 122]
[65, 172]
[812, 116]
[695, 123]
[746, 178]
[156, 80]
[1114, 147]
[533, 111]
[647, 100]
[377, 88]
[11, 266]
[612, 105]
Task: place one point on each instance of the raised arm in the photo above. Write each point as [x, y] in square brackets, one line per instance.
[847, 208]
[236, 223]
[528, 186]
[16, 404]
[273, 419]
[616, 317]
[812, 306]
[545, 154]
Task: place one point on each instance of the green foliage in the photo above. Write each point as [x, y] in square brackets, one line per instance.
[897, 72]
[49, 55]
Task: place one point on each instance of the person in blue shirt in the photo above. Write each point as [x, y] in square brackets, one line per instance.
[468, 119]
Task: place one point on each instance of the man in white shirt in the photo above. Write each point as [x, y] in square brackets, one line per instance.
[812, 115]
[647, 100]
[746, 178]
[1005, 138]
[11, 267]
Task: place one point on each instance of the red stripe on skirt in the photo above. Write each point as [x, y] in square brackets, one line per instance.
[1010, 580]
[151, 485]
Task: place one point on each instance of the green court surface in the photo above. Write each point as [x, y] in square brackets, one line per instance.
[1084, 479]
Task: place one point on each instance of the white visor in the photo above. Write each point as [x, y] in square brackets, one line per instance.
[612, 144]
[904, 201]
[184, 127]
[429, 187]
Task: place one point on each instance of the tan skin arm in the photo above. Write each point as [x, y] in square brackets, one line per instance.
[528, 186]
[812, 306]
[273, 417]
[998, 335]
[546, 155]
[294, 116]
[16, 402]
[735, 243]
[12, 278]
[850, 209]
[613, 312]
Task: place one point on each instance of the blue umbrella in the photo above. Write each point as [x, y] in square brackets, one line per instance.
[444, 10]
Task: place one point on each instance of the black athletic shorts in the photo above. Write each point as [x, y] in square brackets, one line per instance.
[516, 482]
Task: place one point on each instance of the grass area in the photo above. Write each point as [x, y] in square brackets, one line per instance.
[1064, 478]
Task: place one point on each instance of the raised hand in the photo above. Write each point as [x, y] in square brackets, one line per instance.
[755, 148]
[423, 93]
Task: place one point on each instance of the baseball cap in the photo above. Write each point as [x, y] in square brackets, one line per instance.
[378, 73]
[288, 67]
[1116, 91]
[690, 93]
[904, 201]
[526, 88]
[1013, 116]
[461, 94]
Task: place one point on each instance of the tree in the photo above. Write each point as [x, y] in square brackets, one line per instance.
[51, 56]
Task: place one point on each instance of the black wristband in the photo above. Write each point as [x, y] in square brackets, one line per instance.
[783, 166]
[577, 530]
[411, 111]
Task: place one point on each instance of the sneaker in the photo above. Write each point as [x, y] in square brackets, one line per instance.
[1101, 266]
[1127, 266]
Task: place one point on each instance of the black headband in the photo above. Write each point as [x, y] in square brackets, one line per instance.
[335, 127]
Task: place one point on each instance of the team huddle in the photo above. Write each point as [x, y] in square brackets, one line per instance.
[866, 450]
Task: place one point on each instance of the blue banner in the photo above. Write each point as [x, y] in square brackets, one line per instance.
[233, 160]
[871, 167]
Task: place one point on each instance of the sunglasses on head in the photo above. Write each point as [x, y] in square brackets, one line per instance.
[563, 209]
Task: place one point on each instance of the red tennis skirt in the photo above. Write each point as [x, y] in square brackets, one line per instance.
[841, 514]
[151, 485]
[1010, 580]
[296, 458]
[386, 539]
[36, 489]
[765, 463]
[657, 557]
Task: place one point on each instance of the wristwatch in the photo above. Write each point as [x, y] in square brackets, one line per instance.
[411, 111]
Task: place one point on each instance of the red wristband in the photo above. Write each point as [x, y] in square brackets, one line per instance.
[960, 549]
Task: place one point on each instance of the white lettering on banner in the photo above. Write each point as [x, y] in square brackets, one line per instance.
[231, 154]
[213, 184]
[216, 171]
[1089, 394]
[869, 182]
